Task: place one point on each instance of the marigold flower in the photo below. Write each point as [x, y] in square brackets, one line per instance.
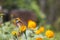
[49, 33]
[37, 32]
[14, 33]
[22, 28]
[39, 39]
[41, 29]
[31, 24]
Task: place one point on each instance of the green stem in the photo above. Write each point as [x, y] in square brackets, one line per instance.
[25, 35]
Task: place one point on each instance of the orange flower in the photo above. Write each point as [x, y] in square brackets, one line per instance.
[49, 33]
[37, 32]
[38, 38]
[31, 24]
[41, 29]
[22, 28]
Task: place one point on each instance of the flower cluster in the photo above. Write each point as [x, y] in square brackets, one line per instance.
[31, 26]
[31, 31]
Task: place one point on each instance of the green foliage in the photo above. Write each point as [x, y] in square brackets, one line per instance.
[26, 4]
[5, 33]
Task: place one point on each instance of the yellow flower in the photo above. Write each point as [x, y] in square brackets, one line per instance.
[49, 33]
[37, 32]
[14, 33]
[22, 28]
[31, 24]
[39, 39]
[41, 29]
